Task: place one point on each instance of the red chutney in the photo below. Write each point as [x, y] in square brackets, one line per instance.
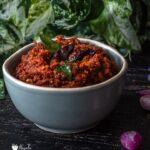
[88, 65]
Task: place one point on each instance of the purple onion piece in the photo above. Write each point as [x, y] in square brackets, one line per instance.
[148, 77]
[57, 55]
[83, 53]
[145, 102]
[144, 92]
[92, 52]
[80, 55]
[66, 50]
[131, 140]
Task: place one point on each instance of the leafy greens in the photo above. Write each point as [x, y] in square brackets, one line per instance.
[68, 13]
[9, 36]
[115, 26]
[25, 18]
[118, 23]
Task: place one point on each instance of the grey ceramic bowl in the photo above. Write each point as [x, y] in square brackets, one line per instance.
[65, 110]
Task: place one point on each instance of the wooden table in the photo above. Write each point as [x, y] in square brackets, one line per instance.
[128, 115]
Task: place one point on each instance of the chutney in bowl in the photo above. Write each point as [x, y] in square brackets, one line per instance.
[68, 109]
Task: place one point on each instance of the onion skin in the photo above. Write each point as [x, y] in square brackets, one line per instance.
[145, 102]
[131, 140]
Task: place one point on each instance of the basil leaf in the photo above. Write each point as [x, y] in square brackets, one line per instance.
[2, 89]
[66, 69]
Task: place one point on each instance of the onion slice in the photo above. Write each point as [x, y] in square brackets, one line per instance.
[131, 140]
[144, 92]
[145, 102]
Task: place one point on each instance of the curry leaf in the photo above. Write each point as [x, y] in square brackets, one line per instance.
[66, 69]
[50, 44]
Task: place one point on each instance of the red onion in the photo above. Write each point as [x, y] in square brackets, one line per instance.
[145, 99]
[144, 92]
[131, 140]
[145, 102]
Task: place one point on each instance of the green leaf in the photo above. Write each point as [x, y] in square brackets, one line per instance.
[115, 26]
[50, 44]
[8, 8]
[21, 19]
[66, 69]
[141, 18]
[16, 12]
[10, 37]
[87, 32]
[68, 13]
[97, 7]
[2, 89]
[40, 14]
[29, 16]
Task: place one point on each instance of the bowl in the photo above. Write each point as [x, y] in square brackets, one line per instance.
[65, 110]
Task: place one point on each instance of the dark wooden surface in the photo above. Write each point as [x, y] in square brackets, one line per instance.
[128, 115]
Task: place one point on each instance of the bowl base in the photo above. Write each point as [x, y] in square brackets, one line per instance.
[64, 131]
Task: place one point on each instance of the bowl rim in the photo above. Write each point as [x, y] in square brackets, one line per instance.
[76, 89]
